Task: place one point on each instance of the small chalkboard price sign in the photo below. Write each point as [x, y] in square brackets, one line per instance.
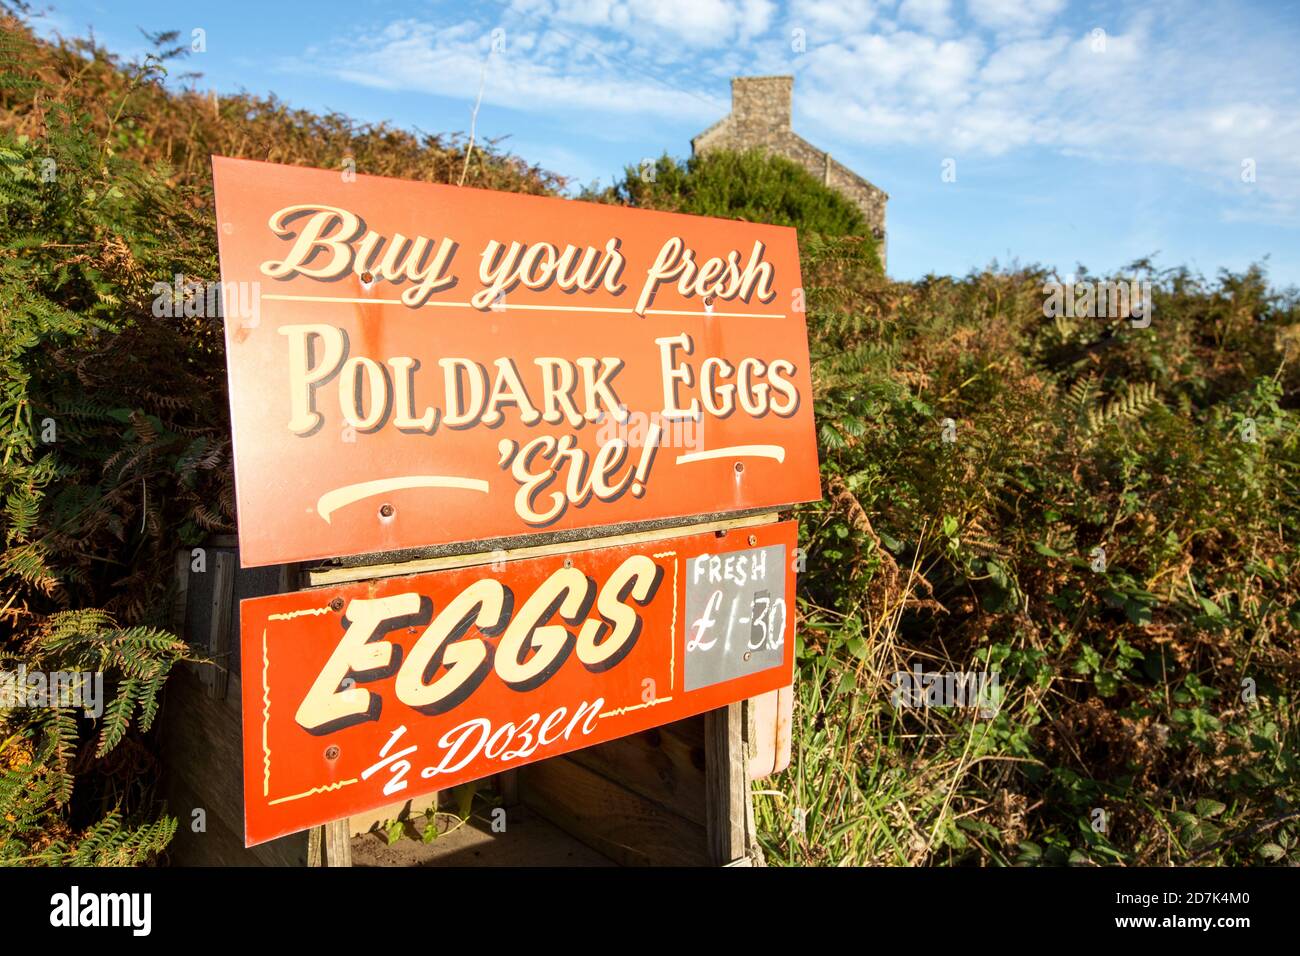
[737, 614]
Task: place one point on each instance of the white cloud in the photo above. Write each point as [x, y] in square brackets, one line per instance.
[1022, 61]
[1014, 15]
[696, 23]
[827, 20]
[533, 68]
[907, 68]
[932, 16]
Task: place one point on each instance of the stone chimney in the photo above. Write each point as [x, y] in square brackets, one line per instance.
[762, 102]
[760, 119]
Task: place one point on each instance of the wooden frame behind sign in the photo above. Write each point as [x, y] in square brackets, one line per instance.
[412, 364]
[357, 694]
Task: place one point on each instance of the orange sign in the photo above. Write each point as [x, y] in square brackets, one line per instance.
[362, 695]
[413, 364]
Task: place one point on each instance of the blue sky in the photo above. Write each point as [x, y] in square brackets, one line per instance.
[1091, 133]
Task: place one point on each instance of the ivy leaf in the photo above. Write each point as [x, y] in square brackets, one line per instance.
[1137, 612]
[393, 831]
[1206, 807]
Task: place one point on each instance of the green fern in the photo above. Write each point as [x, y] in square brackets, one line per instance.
[1132, 405]
[1082, 394]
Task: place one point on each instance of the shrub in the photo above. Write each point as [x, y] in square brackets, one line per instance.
[754, 186]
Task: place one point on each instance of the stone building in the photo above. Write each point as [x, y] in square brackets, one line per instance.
[760, 118]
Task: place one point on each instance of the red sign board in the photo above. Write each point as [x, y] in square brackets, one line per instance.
[362, 695]
[415, 364]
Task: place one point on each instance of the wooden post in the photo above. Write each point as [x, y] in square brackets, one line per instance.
[315, 840]
[223, 610]
[182, 591]
[726, 785]
[291, 578]
[337, 843]
[753, 850]
[508, 787]
[330, 845]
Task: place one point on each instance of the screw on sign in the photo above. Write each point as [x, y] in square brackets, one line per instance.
[430, 680]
